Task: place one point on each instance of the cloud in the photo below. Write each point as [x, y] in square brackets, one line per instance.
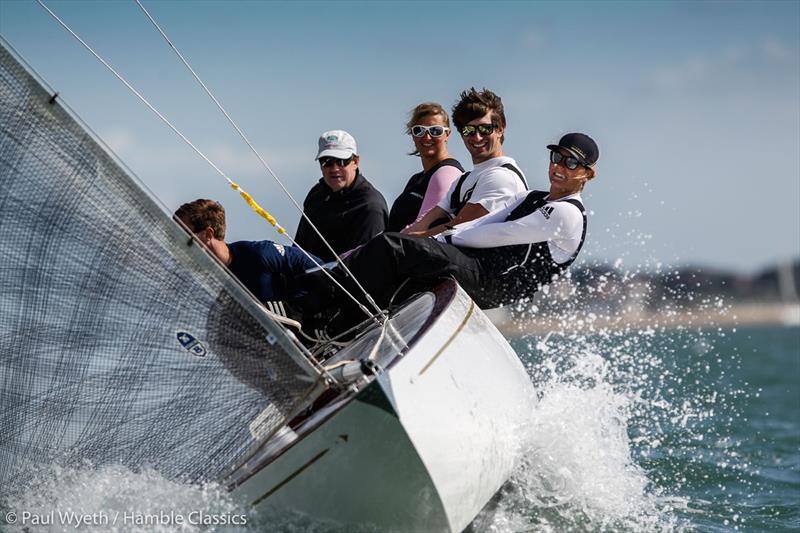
[120, 141]
[533, 39]
[680, 75]
[149, 156]
[235, 161]
[774, 50]
[725, 63]
[737, 53]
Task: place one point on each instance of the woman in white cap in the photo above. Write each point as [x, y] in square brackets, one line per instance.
[429, 127]
[343, 205]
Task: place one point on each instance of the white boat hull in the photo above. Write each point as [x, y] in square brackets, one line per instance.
[423, 447]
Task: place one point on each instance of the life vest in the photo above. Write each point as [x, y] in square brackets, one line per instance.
[406, 207]
[517, 271]
[457, 201]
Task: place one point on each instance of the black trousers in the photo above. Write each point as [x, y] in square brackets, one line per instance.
[390, 259]
[386, 263]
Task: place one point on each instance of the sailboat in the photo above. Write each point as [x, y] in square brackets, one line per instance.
[124, 342]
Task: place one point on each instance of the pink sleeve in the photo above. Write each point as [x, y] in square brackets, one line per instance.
[440, 183]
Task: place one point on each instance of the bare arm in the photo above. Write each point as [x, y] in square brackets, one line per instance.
[421, 226]
[467, 213]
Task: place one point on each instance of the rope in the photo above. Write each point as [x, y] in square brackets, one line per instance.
[257, 208]
[261, 159]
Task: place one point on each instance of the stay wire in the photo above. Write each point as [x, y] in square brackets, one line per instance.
[257, 154]
[236, 187]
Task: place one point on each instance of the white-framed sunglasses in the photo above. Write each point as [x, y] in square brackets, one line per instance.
[434, 131]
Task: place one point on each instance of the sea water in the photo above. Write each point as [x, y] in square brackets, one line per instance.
[672, 430]
[635, 430]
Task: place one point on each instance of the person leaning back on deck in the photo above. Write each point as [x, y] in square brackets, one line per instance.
[497, 259]
[495, 179]
[262, 266]
[345, 207]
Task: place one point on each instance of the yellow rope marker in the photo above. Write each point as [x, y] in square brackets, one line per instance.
[257, 208]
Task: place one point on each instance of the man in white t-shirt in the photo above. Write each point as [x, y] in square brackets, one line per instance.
[500, 258]
[495, 179]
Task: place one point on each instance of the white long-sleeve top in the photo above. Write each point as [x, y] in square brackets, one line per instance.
[559, 223]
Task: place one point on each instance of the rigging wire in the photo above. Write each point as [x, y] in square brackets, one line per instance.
[257, 208]
[257, 154]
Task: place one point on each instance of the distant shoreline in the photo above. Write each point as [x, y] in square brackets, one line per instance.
[745, 314]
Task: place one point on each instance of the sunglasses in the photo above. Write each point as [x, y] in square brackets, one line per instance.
[568, 161]
[325, 162]
[433, 131]
[483, 129]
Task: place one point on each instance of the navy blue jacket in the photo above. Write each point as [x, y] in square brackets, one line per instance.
[264, 266]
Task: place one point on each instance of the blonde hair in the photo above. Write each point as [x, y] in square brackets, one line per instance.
[426, 109]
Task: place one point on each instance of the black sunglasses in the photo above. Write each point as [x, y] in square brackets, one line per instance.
[569, 161]
[328, 161]
[483, 129]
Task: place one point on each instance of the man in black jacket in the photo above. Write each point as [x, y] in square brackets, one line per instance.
[343, 206]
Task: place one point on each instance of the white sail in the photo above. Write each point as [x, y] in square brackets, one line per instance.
[121, 341]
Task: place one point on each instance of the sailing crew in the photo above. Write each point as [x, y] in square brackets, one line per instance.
[262, 266]
[500, 258]
[346, 209]
[429, 128]
[495, 179]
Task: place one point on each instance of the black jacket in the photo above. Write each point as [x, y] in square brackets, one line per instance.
[347, 218]
[406, 208]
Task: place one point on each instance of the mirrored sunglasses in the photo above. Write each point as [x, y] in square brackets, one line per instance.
[483, 129]
[328, 161]
[433, 131]
[568, 161]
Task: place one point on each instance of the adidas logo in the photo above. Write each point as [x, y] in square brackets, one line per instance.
[547, 210]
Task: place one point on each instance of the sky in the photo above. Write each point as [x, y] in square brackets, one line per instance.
[695, 105]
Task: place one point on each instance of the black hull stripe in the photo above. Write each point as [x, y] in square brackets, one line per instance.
[291, 477]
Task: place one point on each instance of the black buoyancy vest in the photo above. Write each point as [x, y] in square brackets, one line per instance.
[517, 271]
[456, 199]
[406, 207]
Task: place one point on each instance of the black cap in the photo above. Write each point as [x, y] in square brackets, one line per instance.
[579, 145]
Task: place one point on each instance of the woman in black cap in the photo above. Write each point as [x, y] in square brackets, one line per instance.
[429, 127]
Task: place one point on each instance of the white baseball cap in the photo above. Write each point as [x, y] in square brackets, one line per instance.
[336, 143]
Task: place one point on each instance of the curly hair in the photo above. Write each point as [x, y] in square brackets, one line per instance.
[475, 104]
[202, 214]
